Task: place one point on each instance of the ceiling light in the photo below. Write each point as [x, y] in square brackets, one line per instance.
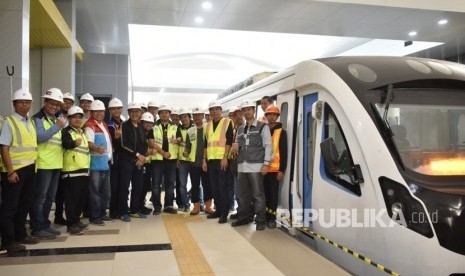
[199, 20]
[207, 5]
[412, 33]
[442, 21]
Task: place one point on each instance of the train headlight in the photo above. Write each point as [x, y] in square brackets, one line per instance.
[403, 208]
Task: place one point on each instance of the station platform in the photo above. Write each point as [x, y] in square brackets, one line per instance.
[169, 245]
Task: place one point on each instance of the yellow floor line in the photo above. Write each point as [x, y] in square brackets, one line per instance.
[189, 257]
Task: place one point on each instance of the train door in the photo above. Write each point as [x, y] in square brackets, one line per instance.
[308, 149]
[287, 105]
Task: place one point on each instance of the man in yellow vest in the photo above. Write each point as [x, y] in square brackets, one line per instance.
[163, 162]
[18, 142]
[184, 162]
[49, 163]
[277, 166]
[75, 171]
[218, 141]
[194, 153]
[255, 152]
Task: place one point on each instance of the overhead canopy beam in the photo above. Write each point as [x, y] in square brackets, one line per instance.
[48, 28]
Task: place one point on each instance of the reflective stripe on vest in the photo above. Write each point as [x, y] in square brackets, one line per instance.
[182, 146]
[23, 149]
[274, 165]
[50, 152]
[158, 137]
[79, 157]
[216, 140]
[1, 162]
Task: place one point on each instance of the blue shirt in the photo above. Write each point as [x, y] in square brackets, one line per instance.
[6, 136]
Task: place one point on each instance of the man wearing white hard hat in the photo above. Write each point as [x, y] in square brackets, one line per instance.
[152, 107]
[132, 158]
[68, 102]
[101, 155]
[254, 157]
[218, 141]
[114, 126]
[148, 121]
[49, 163]
[194, 152]
[18, 140]
[163, 163]
[75, 172]
[84, 103]
[182, 199]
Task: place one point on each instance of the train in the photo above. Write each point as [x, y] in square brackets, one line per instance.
[376, 165]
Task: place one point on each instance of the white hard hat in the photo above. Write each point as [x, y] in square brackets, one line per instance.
[134, 105]
[22, 94]
[87, 97]
[152, 104]
[197, 110]
[247, 103]
[143, 105]
[148, 117]
[53, 94]
[214, 104]
[68, 96]
[184, 110]
[164, 107]
[75, 110]
[175, 111]
[97, 105]
[115, 102]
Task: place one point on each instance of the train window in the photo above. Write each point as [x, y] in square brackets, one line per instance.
[340, 168]
[284, 113]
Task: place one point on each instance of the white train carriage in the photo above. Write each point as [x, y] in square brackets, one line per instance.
[376, 174]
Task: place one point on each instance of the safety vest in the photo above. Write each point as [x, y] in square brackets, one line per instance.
[216, 140]
[192, 136]
[23, 149]
[182, 146]
[158, 137]
[50, 152]
[79, 157]
[274, 165]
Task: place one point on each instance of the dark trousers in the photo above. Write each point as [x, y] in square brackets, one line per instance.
[76, 191]
[250, 189]
[166, 169]
[271, 187]
[60, 200]
[16, 202]
[134, 176]
[146, 186]
[177, 184]
[219, 186]
[197, 175]
[115, 178]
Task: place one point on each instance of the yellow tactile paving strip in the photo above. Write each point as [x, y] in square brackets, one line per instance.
[189, 257]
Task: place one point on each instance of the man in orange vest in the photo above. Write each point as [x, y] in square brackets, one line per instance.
[277, 166]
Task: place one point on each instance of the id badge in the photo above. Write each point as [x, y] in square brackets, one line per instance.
[246, 142]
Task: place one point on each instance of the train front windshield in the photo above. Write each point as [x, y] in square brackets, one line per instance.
[428, 130]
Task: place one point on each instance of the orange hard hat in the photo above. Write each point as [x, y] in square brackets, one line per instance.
[272, 109]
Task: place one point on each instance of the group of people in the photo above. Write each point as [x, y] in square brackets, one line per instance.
[69, 154]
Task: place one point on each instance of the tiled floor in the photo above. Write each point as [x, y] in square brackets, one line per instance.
[170, 245]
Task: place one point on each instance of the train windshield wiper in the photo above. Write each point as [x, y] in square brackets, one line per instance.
[388, 97]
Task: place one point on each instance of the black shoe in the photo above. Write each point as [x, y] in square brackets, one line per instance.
[213, 216]
[29, 240]
[75, 230]
[98, 222]
[271, 224]
[260, 226]
[240, 222]
[53, 231]
[60, 221]
[146, 211]
[223, 220]
[250, 219]
[83, 226]
[15, 247]
[234, 216]
[170, 210]
[156, 212]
